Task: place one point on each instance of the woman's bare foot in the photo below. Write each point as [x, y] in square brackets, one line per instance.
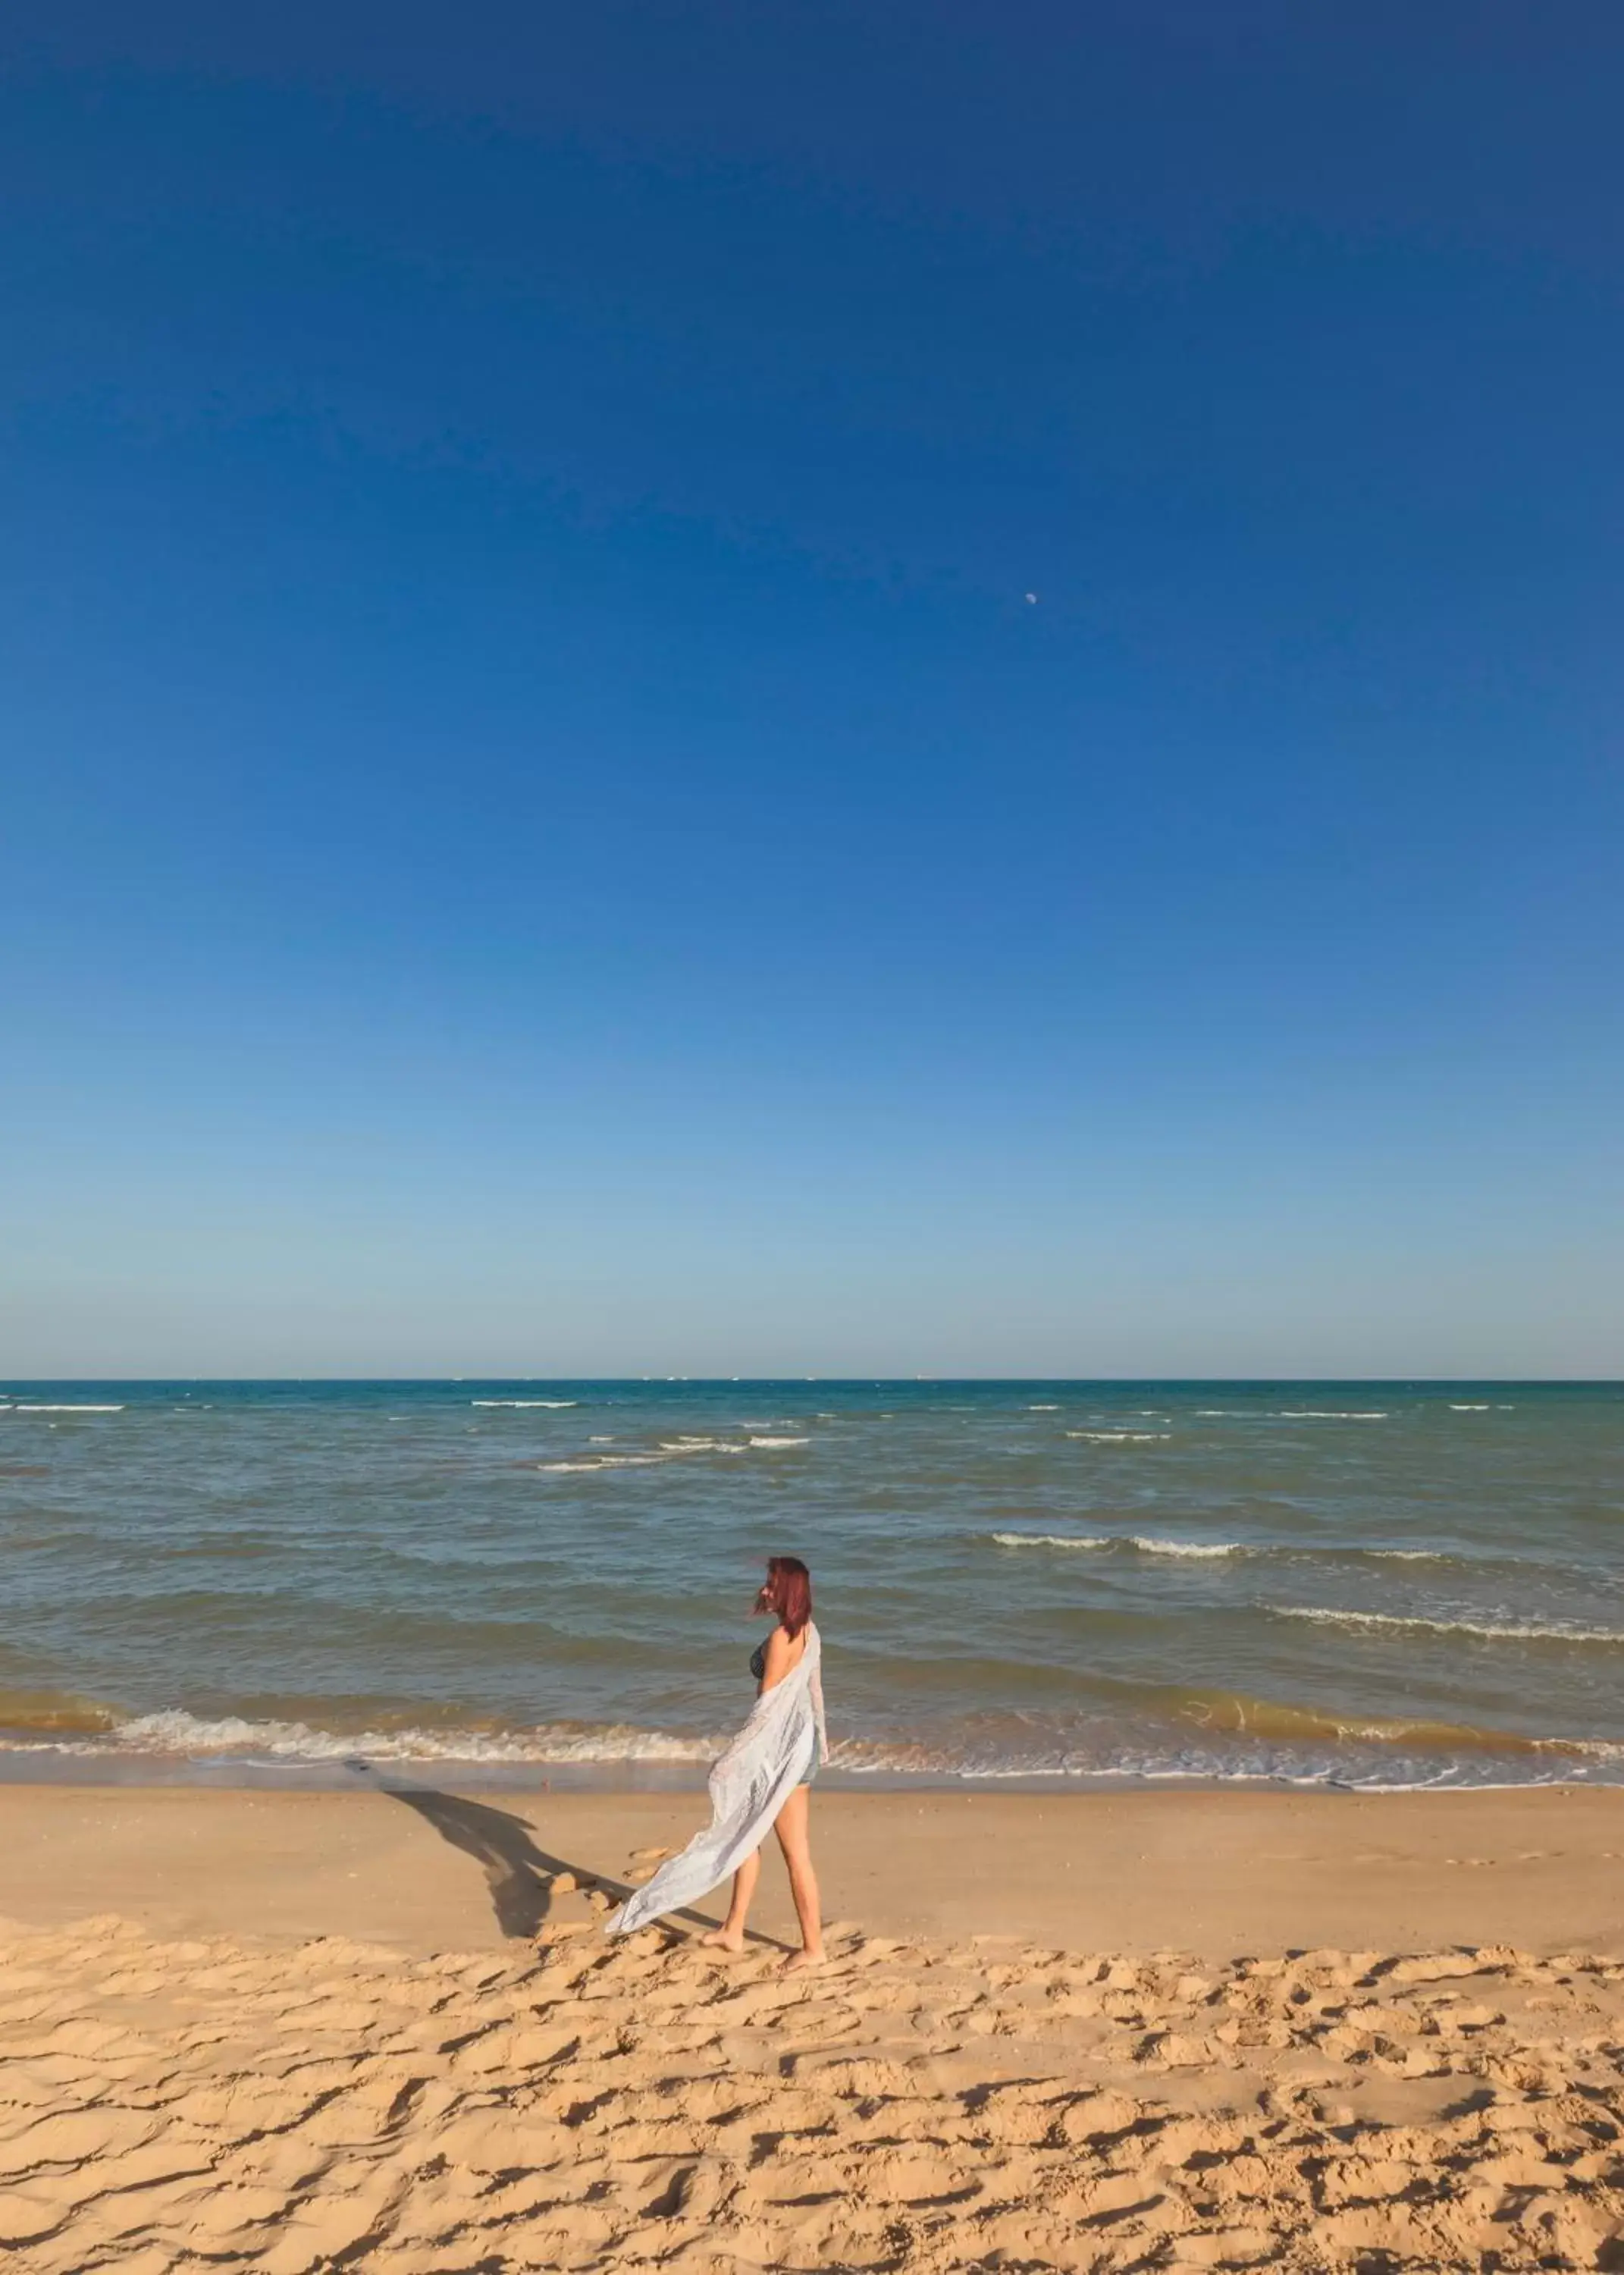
[718, 1940]
[802, 1959]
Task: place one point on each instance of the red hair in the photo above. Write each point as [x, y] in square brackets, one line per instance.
[787, 1592]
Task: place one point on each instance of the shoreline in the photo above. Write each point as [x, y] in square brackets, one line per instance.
[34, 1766]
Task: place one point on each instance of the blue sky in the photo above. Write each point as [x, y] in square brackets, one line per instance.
[540, 829]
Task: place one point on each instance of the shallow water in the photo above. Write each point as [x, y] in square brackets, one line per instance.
[1389, 1585]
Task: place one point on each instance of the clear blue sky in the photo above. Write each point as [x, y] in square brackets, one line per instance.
[540, 830]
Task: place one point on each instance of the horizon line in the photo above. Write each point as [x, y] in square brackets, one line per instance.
[888, 1381]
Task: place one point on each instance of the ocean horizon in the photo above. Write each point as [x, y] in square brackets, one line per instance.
[1374, 1583]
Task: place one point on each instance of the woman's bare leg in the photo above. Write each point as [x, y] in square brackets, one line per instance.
[793, 1829]
[730, 1935]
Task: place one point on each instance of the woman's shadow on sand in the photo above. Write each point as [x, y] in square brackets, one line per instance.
[521, 1876]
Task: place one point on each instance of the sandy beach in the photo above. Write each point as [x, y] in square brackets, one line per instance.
[311, 2030]
[807, 871]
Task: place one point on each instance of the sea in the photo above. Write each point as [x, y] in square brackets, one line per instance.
[1370, 1585]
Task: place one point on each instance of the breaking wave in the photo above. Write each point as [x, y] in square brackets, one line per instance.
[1325, 1414]
[1495, 1631]
[1143, 1542]
[1151, 1731]
[25, 1406]
[78, 1727]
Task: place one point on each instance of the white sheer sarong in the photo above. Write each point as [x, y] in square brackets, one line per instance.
[769, 1757]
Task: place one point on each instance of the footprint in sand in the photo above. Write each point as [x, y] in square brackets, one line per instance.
[941, 2107]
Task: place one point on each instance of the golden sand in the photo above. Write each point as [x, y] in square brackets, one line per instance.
[929, 2101]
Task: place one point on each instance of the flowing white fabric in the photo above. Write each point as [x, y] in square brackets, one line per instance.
[748, 1786]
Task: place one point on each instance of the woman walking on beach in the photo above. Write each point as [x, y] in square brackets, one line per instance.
[761, 1780]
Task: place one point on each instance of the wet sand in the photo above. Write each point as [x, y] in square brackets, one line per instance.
[297, 2031]
[1217, 1872]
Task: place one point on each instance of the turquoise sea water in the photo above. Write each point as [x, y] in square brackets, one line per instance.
[1385, 1583]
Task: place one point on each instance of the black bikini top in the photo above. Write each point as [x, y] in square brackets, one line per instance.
[758, 1662]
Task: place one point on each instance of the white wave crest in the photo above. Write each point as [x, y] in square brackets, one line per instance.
[1468, 1409]
[555, 1404]
[602, 1461]
[175, 1732]
[1151, 1547]
[1048, 1540]
[1508, 1631]
[677, 1446]
[22, 1407]
[1146, 1543]
[669, 1449]
[1121, 1437]
[1325, 1414]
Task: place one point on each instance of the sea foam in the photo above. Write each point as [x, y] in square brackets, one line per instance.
[174, 1731]
[1146, 1543]
[1325, 1414]
[1121, 1437]
[1495, 1630]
